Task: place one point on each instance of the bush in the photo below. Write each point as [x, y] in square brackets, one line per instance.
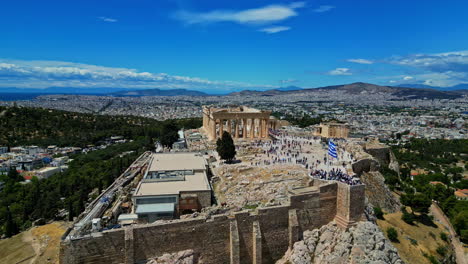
[441, 250]
[444, 236]
[433, 260]
[413, 241]
[464, 236]
[407, 217]
[392, 234]
[378, 213]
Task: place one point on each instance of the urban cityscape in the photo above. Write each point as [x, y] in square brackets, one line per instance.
[189, 132]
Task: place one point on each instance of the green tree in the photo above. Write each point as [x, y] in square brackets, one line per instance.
[169, 134]
[14, 175]
[10, 226]
[378, 213]
[225, 147]
[418, 202]
[460, 221]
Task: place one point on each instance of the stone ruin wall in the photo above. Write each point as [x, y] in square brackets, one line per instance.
[370, 158]
[260, 236]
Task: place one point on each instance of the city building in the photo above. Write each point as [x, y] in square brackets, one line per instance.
[461, 194]
[46, 172]
[173, 184]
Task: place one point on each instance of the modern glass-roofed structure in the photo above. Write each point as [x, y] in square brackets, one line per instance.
[174, 183]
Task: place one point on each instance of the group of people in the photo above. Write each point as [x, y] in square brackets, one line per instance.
[291, 149]
[336, 175]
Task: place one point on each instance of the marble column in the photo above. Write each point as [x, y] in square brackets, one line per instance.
[262, 123]
[212, 130]
[244, 128]
[252, 128]
[236, 128]
[221, 128]
[229, 128]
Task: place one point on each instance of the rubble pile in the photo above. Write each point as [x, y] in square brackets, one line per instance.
[239, 186]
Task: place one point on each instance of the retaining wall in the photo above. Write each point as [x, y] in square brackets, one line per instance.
[261, 236]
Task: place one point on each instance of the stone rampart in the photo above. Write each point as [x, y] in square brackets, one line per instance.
[260, 236]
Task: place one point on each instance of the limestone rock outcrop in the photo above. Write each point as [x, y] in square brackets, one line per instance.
[370, 157]
[363, 243]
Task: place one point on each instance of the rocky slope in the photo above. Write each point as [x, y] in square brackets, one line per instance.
[363, 243]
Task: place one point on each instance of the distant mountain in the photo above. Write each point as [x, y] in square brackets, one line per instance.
[101, 91]
[60, 90]
[461, 86]
[158, 92]
[364, 89]
[289, 88]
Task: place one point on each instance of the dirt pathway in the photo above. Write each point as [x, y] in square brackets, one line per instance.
[442, 218]
[29, 238]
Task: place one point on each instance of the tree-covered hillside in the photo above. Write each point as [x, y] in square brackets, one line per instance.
[35, 126]
[21, 204]
[439, 165]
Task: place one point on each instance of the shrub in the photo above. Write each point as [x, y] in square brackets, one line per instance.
[378, 213]
[392, 234]
[433, 260]
[432, 235]
[464, 236]
[407, 217]
[413, 241]
[441, 250]
[444, 236]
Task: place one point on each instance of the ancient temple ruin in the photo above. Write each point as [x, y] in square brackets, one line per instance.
[241, 122]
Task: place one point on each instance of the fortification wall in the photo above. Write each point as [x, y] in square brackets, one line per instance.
[260, 236]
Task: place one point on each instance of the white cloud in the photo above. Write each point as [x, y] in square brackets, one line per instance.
[439, 62]
[272, 30]
[108, 19]
[361, 61]
[392, 81]
[323, 8]
[437, 69]
[288, 81]
[263, 15]
[340, 71]
[42, 74]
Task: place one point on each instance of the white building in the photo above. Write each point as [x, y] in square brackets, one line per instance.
[174, 183]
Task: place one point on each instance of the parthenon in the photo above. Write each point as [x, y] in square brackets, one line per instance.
[241, 122]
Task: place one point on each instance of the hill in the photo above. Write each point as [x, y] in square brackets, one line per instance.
[361, 88]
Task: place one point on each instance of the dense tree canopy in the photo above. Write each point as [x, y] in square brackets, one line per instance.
[22, 204]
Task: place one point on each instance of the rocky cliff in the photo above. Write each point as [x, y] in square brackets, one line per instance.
[363, 243]
[370, 157]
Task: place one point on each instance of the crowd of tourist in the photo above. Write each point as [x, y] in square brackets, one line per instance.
[335, 175]
[292, 149]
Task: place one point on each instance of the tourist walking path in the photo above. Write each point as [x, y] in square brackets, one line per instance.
[442, 218]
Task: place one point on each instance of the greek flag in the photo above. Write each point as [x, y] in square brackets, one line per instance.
[332, 149]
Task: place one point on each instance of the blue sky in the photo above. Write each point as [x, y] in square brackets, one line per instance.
[220, 45]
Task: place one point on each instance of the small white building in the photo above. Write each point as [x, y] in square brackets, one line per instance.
[46, 172]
